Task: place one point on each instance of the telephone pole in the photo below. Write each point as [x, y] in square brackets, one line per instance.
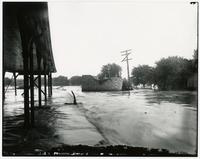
[126, 53]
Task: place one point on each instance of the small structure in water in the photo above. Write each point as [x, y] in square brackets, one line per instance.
[74, 101]
[89, 83]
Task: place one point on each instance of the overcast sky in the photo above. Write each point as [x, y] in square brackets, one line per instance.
[87, 35]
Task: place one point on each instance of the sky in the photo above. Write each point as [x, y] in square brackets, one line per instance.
[86, 35]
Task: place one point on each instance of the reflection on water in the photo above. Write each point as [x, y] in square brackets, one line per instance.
[179, 97]
[143, 118]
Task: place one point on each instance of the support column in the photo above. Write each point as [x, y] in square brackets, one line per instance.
[45, 86]
[3, 85]
[45, 81]
[26, 93]
[15, 83]
[32, 85]
[39, 79]
[24, 40]
[51, 84]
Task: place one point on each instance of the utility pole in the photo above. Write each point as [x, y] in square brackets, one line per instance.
[126, 53]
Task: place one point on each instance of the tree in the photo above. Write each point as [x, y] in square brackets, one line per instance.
[195, 61]
[173, 72]
[143, 74]
[75, 80]
[110, 70]
[60, 81]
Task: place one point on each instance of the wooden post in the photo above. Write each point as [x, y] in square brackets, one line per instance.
[51, 84]
[25, 40]
[45, 86]
[49, 91]
[126, 54]
[32, 84]
[26, 92]
[45, 82]
[39, 78]
[15, 83]
[128, 76]
[3, 85]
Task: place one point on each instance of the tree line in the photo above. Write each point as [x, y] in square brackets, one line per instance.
[56, 81]
[170, 73]
[107, 71]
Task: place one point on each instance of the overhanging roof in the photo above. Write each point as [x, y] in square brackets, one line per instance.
[33, 17]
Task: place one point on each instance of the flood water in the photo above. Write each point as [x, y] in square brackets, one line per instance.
[142, 118]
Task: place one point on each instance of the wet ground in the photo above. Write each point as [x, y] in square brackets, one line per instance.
[139, 118]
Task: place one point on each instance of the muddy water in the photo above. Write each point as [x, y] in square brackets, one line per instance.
[142, 118]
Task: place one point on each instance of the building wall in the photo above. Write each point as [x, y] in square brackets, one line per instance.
[89, 83]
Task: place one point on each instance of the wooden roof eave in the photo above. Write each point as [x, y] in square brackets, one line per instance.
[35, 15]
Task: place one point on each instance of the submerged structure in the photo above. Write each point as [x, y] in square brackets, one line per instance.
[27, 51]
[89, 83]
